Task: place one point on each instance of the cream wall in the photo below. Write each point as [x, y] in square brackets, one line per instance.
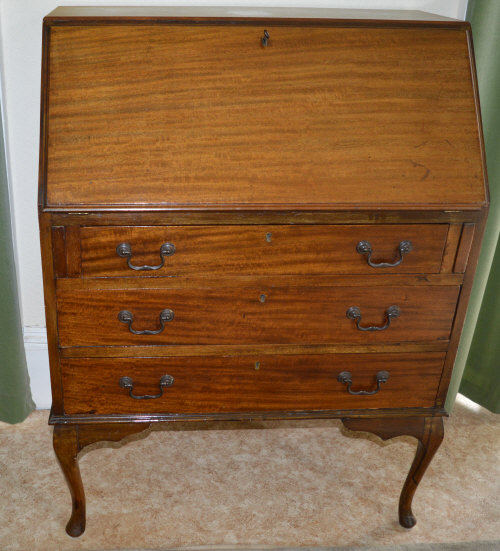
[20, 54]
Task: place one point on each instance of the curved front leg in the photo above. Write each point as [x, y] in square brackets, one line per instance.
[65, 440]
[429, 440]
[429, 431]
[68, 441]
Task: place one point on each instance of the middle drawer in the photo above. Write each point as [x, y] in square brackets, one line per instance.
[249, 314]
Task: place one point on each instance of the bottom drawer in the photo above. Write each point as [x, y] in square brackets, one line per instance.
[247, 383]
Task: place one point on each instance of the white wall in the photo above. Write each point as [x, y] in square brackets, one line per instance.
[20, 34]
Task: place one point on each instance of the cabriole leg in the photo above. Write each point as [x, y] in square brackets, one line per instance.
[429, 432]
[428, 443]
[69, 440]
[66, 448]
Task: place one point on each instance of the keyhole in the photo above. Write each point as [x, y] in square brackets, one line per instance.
[262, 298]
[269, 237]
[265, 39]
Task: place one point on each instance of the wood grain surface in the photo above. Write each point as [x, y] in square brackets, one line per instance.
[224, 384]
[451, 247]
[202, 350]
[170, 115]
[158, 216]
[261, 250]
[464, 249]
[160, 14]
[255, 314]
[227, 281]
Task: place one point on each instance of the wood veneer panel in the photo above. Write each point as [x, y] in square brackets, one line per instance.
[73, 251]
[390, 413]
[292, 126]
[223, 282]
[108, 14]
[472, 260]
[246, 349]
[450, 249]
[234, 384]
[59, 251]
[50, 301]
[261, 250]
[255, 314]
[464, 248]
[156, 216]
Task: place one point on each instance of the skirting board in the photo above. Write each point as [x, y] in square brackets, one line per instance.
[37, 358]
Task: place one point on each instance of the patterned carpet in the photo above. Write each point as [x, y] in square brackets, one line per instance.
[293, 486]
[462, 546]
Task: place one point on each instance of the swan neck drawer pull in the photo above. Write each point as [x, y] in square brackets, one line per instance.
[364, 247]
[346, 378]
[124, 250]
[354, 313]
[127, 317]
[128, 383]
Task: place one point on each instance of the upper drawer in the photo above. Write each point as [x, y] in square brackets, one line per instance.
[202, 115]
[260, 250]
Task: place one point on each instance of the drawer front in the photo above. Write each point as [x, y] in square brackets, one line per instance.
[260, 250]
[242, 384]
[254, 314]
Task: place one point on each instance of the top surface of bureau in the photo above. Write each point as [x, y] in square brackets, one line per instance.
[184, 112]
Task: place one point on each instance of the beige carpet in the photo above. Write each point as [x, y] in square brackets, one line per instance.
[301, 484]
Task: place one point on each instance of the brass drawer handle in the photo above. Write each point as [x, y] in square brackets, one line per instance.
[346, 378]
[126, 317]
[354, 313]
[124, 250]
[364, 247]
[128, 383]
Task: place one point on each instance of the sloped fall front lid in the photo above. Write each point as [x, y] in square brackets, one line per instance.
[189, 113]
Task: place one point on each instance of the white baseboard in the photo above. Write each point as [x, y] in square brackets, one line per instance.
[37, 358]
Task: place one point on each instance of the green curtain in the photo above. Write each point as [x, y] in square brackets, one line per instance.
[477, 368]
[15, 395]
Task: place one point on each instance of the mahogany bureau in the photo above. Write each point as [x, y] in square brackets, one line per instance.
[256, 215]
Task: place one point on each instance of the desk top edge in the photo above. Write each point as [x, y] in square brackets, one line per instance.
[62, 13]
